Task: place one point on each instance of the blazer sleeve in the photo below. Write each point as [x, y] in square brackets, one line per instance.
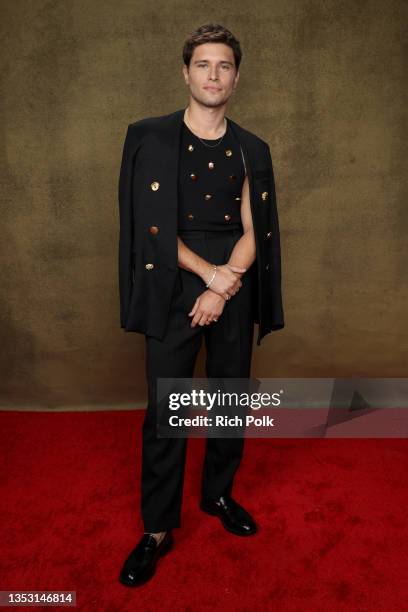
[125, 226]
[276, 274]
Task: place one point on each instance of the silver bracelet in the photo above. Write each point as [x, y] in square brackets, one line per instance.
[213, 276]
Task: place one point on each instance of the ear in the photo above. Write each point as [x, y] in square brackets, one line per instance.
[185, 74]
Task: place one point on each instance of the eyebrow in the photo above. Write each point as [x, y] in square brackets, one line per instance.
[206, 60]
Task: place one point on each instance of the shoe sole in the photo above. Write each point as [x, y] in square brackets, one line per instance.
[227, 527]
[146, 577]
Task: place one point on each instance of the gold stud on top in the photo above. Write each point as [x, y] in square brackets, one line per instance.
[190, 216]
[208, 196]
[228, 152]
[190, 147]
[269, 234]
[227, 217]
[155, 185]
[149, 266]
[264, 195]
[211, 165]
[238, 199]
[193, 176]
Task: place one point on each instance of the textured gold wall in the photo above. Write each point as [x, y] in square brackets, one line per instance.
[322, 81]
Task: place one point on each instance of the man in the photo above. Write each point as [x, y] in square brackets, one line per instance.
[199, 257]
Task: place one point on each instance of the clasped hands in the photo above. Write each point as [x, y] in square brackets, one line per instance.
[210, 304]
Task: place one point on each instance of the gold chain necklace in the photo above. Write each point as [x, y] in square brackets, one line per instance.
[200, 139]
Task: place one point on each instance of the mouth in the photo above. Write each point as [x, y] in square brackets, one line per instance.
[212, 88]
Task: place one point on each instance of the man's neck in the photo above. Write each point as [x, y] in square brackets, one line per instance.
[207, 122]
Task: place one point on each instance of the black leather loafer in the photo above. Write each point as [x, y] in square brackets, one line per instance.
[233, 516]
[141, 563]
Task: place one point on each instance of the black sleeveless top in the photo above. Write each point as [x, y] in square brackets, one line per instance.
[210, 182]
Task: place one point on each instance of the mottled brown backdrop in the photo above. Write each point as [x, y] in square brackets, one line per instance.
[322, 81]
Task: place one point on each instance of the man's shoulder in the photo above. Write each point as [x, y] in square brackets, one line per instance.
[145, 127]
[145, 122]
[251, 138]
[150, 123]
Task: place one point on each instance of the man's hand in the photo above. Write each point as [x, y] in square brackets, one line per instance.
[226, 281]
[207, 308]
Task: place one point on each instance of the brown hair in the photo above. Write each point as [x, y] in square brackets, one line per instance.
[211, 32]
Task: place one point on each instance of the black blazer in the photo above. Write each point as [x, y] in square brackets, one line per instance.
[148, 253]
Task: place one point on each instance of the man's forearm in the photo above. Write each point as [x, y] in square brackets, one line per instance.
[243, 255]
[192, 262]
[244, 252]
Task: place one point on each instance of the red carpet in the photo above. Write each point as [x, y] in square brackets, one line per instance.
[332, 516]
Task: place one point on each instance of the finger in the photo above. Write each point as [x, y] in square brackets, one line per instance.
[196, 318]
[200, 317]
[194, 309]
[203, 320]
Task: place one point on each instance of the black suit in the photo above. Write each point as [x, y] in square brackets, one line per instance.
[157, 295]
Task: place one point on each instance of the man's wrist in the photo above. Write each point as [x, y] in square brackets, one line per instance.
[212, 277]
[238, 265]
[205, 271]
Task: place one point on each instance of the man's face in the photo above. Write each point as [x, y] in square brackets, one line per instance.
[212, 75]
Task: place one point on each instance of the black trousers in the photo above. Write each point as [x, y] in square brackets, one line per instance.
[228, 354]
